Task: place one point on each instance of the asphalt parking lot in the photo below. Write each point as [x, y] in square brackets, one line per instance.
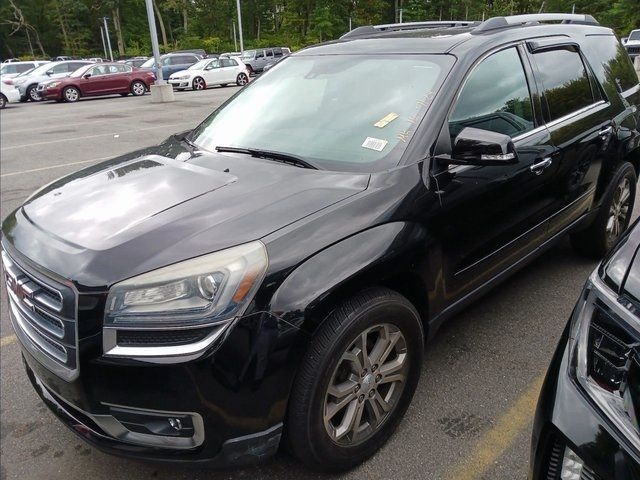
[470, 418]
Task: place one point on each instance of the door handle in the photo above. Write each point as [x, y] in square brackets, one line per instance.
[605, 132]
[539, 167]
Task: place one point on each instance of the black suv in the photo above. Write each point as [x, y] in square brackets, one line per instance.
[588, 418]
[275, 272]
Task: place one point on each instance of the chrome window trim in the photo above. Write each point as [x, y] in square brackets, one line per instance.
[594, 106]
[630, 91]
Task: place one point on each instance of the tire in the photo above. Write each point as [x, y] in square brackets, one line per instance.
[242, 79]
[198, 83]
[32, 94]
[71, 94]
[613, 217]
[250, 70]
[3, 101]
[315, 428]
[138, 88]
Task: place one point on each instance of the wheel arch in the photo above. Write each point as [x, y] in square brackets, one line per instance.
[388, 255]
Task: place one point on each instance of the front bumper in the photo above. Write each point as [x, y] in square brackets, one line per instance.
[230, 400]
[179, 83]
[50, 93]
[565, 417]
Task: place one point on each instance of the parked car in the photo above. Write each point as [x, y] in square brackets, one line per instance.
[198, 51]
[62, 58]
[136, 61]
[28, 84]
[13, 69]
[278, 269]
[172, 63]
[93, 80]
[230, 54]
[632, 45]
[586, 424]
[96, 59]
[209, 72]
[8, 94]
[256, 60]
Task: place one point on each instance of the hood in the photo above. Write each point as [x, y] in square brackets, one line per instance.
[124, 217]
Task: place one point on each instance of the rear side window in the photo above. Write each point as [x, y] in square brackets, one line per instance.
[495, 97]
[229, 62]
[566, 85]
[24, 67]
[610, 61]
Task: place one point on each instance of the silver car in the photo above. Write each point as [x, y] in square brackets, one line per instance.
[256, 60]
[27, 83]
[13, 69]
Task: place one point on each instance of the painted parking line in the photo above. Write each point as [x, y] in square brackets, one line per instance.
[8, 340]
[11, 174]
[498, 439]
[110, 134]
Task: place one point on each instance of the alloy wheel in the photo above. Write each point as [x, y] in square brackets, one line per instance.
[138, 88]
[366, 385]
[198, 83]
[34, 95]
[71, 94]
[619, 210]
[242, 79]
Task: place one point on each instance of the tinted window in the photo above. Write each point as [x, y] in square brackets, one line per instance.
[269, 53]
[228, 62]
[565, 81]
[62, 68]
[277, 52]
[24, 67]
[260, 54]
[610, 62]
[495, 97]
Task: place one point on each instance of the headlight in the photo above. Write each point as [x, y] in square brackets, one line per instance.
[179, 77]
[605, 346]
[52, 84]
[200, 291]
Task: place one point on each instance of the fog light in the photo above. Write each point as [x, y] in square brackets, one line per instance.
[572, 466]
[175, 423]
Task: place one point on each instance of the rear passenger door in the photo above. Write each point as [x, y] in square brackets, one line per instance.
[493, 216]
[579, 120]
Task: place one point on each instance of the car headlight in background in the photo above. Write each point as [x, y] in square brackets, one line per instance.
[52, 84]
[196, 292]
[605, 346]
[179, 77]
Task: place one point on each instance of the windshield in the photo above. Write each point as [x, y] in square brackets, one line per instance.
[149, 63]
[81, 71]
[248, 53]
[340, 112]
[635, 35]
[200, 65]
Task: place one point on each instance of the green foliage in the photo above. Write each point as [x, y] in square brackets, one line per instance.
[72, 27]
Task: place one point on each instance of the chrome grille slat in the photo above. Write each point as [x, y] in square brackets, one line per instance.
[43, 315]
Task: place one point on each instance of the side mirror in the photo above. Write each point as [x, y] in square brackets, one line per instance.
[474, 146]
[87, 75]
[48, 73]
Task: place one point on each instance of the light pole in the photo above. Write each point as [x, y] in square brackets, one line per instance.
[104, 45]
[239, 25]
[106, 32]
[161, 91]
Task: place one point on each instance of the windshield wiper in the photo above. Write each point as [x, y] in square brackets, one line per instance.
[270, 155]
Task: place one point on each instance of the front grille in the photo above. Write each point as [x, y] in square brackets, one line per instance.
[43, 314]
[633, 49]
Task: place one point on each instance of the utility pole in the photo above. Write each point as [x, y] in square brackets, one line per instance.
[106, 32]
[401, 15]
[239, 26]
[350, 24]
[104, 45]
[235, 38]
[161, 91]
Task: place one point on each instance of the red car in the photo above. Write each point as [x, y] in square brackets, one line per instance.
[98, 79]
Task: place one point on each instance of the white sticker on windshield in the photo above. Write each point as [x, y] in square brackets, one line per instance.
[374, 144]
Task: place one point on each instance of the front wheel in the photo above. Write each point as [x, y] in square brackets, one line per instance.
[614, 215]
[3, 101]
[71, 94]
[356, 381]
[138, 88]
[242, 79]
[198, 83]
[32, 94]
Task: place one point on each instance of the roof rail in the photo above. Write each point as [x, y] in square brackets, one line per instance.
[495, 23]
[396, 27]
